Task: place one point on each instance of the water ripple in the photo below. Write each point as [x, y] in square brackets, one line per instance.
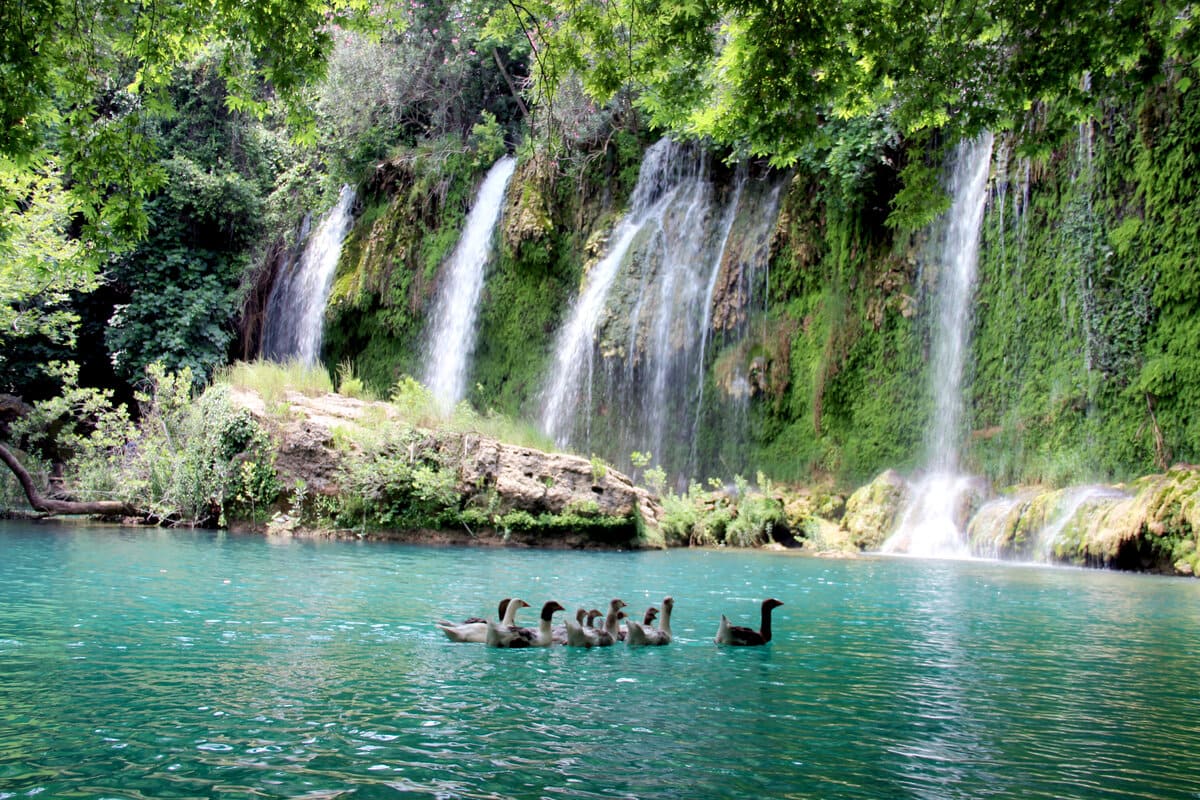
[886, 679]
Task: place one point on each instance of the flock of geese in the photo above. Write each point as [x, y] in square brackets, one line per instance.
[585, 631]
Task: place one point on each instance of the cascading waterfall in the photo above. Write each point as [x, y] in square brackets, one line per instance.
[630, 363]
[663, 175]
[450, 341]
[929, 525]
[1074, 499]
[296, 305]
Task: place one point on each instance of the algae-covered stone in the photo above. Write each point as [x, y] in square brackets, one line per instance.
[871, 511]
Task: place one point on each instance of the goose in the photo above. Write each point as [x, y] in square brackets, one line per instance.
[499, 612]
[606, 636]
[612, 622]
[623, 628]
[562, 633]
[475, 628]
[591, 617]
[645, 635]
[741, 636]
[525, 637]
[579, 634]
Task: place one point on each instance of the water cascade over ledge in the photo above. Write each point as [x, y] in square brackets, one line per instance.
[450, 340]
[929, 524]
[296, 306]
[676, 282]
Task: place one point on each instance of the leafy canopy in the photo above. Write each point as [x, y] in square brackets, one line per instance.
[81, 85]
[766, 76]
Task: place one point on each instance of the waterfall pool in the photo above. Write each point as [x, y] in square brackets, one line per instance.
[140, 663]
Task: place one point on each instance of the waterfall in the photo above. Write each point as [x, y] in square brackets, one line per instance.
[450, 341]
[664, 174]
[630, 363]
[296, 305]
[1073, 499]
[930, 523]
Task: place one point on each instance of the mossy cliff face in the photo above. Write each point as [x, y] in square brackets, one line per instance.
[413, 208]
[1086, 339]
[839, 357]
[412, 214]
[1082, 362]
[1083, 357]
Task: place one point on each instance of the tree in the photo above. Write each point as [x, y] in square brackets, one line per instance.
[79, 82]
[765, 78]
[82, 84]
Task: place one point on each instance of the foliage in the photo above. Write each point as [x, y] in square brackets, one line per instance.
[272, 380]
[39, 267]
[187, 461]
[81, 423]
[766, 80]
[349, 384]
[199, 461]
[398, 480]
[744, 517]
[82, 80]
[599, 468]
[439, 70]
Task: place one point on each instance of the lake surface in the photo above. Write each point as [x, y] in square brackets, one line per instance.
[155, 664]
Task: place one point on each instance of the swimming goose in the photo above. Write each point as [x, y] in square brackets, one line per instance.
[579, 635]
[645, 635]
[612, 622]
[475, 628]
[741, 636]
[525, 637]
[562, 633]
[647, 619]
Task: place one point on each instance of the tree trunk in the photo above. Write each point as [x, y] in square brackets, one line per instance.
[512, 87]
[108, 508]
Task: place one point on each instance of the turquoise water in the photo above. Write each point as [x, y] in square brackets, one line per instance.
[147, 663]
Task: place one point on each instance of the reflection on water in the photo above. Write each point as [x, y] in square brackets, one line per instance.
[163, 664]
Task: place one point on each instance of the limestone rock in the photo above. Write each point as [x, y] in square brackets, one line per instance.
[518, 478]
[530, 480]
[871, 511]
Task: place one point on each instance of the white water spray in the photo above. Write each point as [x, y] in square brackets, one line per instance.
[450, 341]
[296, 306]
[930, 524]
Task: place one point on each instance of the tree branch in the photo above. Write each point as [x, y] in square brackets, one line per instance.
[108, 508]
[512, 87]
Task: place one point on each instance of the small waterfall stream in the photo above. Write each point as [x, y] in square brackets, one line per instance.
[296, 306]
[664, 175]
[930, 524]
[450, 340]
[676, 282]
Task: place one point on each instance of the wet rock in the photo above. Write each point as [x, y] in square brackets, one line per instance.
[871, 511]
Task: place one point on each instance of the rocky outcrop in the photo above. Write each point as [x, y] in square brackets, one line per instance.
[871, 511]
[315, 436]
[531, 480]
[1149, 525]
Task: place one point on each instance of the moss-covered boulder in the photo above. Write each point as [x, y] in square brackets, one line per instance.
[871, 511]
[1155, 529]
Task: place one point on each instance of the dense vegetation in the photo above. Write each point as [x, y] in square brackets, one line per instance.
[155, 168]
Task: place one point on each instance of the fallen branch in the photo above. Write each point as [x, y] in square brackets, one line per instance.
[107, 508]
